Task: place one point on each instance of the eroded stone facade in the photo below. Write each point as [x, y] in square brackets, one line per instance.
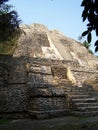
[35, 87]
[34, 82]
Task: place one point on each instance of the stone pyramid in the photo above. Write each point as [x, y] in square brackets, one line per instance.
[47, 77]
[40, 42]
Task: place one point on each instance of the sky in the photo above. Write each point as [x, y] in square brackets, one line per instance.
[63, 15]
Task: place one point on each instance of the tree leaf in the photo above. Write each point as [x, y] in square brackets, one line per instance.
[96, 43]
[89, 37]
[96, 31]
[88, 24]
[96, 49]
[85, 14]
[83, 3]
[84, 18]
[85, 33]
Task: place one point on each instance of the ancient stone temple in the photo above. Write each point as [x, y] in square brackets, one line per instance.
[49, 75]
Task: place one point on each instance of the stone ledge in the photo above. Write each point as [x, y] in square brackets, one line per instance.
[46, 70]
[48, 114]
[40, 85]
[46, 92]
[84, 114]
[14, 115]
[84, 71]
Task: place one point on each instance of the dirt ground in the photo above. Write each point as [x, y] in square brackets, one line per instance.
[64, 123]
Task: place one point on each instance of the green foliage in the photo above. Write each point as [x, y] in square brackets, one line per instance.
[9, 28]
[90, 13]
[9, 23]
[4, 121]
[86, 44]
[8, 47]
[3, 1]
[90, 51]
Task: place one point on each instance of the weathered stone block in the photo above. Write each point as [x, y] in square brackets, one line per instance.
[36, 92]
[60, 72]
[40, 78]
[47, 103]
[18, 74]
[4, 73]
[39, 85]
[57, 91]
[13, 98]
[40, 69]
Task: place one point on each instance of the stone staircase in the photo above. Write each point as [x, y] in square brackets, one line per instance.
[83, 101]
[62, 99]
[51, 97]
[47, 101]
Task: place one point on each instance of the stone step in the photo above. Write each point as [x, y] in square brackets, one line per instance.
[79, 96]
[65, 83]
[91, 93]
[86, 104]
[39, 85]
[77, 89]
[82, 90]
[84, 114]
[74, 91]
[48, 114]
[88, 108]
[86, 100]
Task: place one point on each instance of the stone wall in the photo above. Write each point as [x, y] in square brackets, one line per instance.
[46, 104]
[13, 95]
[31, 85]
[13, 98]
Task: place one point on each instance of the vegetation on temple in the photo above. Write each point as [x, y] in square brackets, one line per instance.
[9, 27]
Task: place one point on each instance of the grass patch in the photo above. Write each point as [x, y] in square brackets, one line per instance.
[4, 121]
[72, 127]
[8, 48]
